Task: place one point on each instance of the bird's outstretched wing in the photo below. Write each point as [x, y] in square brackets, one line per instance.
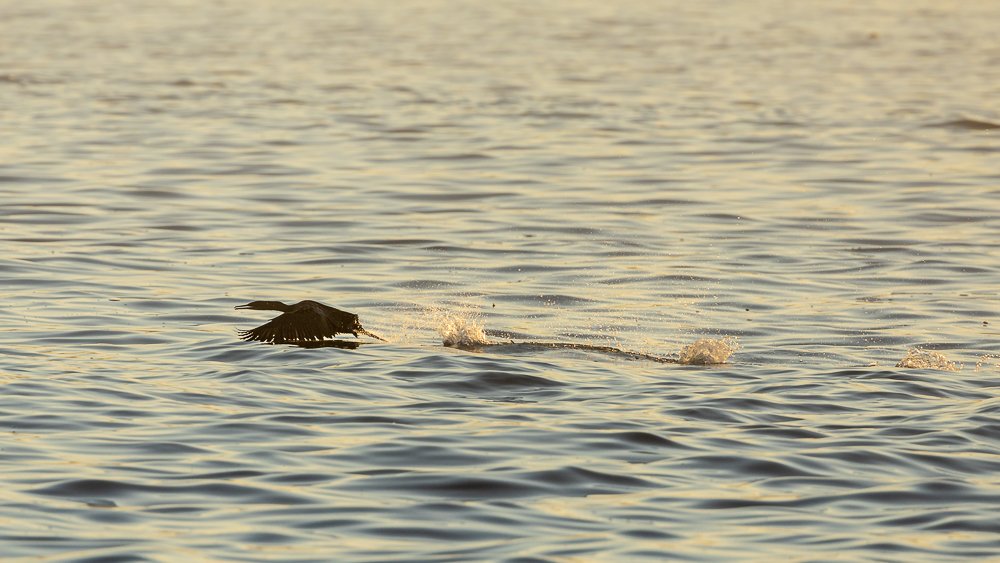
[294, 326]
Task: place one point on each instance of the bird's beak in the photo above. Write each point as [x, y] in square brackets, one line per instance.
[247, 306]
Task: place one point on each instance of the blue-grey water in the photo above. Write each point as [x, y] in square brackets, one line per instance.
[815, 184]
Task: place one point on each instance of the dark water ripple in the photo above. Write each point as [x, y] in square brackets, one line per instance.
[560, 174]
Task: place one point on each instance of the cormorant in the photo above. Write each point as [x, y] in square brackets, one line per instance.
[303, 321]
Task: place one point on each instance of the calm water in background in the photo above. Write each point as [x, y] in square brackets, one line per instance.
[820, 180]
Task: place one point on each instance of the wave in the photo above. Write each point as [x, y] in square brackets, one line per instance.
[967, 124]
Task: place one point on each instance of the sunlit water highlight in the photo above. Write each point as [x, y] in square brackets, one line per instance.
[549, 210]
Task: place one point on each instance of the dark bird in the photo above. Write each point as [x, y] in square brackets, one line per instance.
[303, 321]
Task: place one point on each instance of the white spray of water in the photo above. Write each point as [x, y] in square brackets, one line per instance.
[410, 325]
[461, 330]
[927, 359]
[708, 351]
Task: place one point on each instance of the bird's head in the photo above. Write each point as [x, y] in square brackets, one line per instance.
[265, 306]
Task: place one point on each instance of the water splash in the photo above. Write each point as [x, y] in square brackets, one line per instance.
[986, 360]
[461, 330]
[708, 351]
[927, 359]
[465, 330]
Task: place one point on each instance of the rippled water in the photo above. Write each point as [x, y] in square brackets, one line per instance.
[816, 182]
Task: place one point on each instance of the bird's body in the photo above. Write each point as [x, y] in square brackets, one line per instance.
[301, 322]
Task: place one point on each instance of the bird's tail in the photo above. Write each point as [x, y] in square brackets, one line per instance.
[372, 334]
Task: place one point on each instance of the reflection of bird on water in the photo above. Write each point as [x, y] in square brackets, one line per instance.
[301, 322]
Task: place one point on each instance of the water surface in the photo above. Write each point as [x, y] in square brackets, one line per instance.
[818, 181]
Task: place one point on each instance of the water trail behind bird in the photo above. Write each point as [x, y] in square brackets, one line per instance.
[466, 332]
